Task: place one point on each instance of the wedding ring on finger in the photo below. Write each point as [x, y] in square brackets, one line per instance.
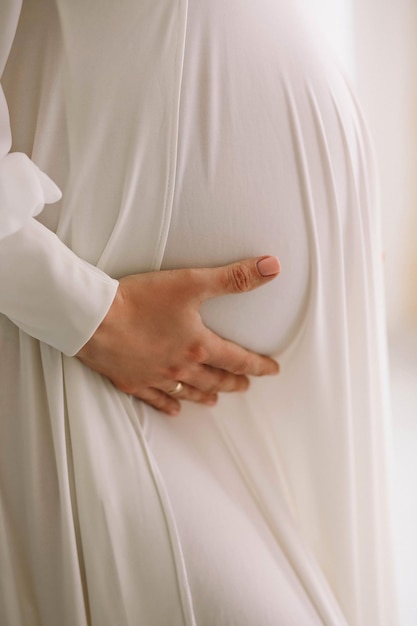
[177, 389]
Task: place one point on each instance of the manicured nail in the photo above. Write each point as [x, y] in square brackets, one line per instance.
[269, 266]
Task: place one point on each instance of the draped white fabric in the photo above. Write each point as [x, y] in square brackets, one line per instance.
[24, 189]
[191, 133]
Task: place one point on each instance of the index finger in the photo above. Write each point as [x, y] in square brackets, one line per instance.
[229, 356]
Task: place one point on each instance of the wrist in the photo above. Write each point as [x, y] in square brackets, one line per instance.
[104, 330]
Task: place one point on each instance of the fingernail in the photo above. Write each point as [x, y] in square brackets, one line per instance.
[269, 266]
[211, 401]
[173, 412]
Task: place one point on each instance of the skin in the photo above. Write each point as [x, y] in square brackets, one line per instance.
[153, 336]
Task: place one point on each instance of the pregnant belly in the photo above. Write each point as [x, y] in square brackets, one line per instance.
[269, 159]
[234, 219]
[238, 191]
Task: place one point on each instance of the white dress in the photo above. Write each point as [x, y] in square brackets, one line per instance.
[188, 134]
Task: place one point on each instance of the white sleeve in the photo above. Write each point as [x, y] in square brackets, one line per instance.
[45, 289]
[48, 291]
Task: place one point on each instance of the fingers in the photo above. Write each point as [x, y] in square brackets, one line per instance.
[163, 401]
[227, 372]
[213, 380]
[232, 358]
[159, 400]
[200, 394]
[235, 278]
[208, 382]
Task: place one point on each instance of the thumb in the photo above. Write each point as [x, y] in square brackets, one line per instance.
[238, 277]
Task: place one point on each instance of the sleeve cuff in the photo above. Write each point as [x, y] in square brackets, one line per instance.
[49, 292]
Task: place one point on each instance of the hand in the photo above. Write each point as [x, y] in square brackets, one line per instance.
[153, 336]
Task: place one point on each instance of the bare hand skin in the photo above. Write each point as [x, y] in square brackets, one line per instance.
[153, 336]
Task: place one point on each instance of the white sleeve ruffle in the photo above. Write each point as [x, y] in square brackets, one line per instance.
[24, 191]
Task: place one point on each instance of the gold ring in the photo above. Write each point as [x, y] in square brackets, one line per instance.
[177, 389]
